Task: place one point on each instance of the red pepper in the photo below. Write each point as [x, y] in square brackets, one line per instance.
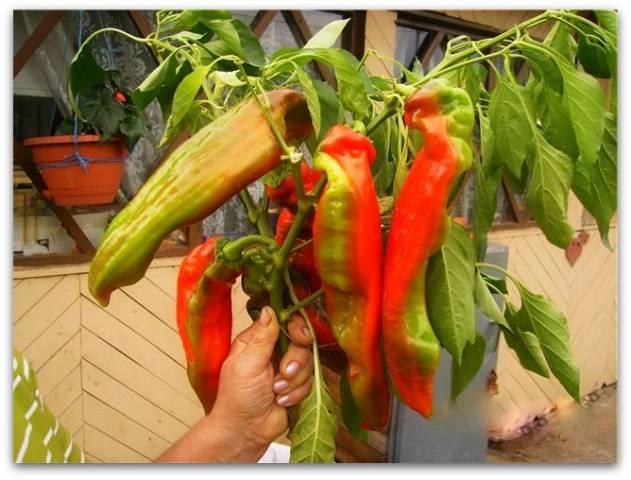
[348, 251]
[445, 116]
[204, 317]
[285, 193]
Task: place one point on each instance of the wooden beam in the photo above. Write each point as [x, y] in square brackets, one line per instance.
[67, 221]
[431, 48]
[261, 21]
[27, 50]
[144, 27]
[301, 33]
[439, 22]
[354, 35]
[521, 214]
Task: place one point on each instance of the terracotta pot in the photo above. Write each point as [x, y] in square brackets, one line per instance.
[69, 184]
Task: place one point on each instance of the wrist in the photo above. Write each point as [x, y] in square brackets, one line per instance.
[229, 442]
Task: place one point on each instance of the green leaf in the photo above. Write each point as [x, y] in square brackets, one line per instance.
[548, 192]
[227, 78]
[449, 290]
[327, 36]
[593, 56]
[184, 97]
[608, 19]
[486, 185]
[486, 303]
[561, 40]
[472, 358]
[161, 77]
[468, 78]
[329, 111]
[497, 283]
[101, 111]
[313, 103]
[352, 83]
[544, 67]
[191, 20]
[596, 187]
[274, 177]
[511, 122]
[83, 74]
[384, 168]
[549, 324]
[555, 124]
[253, 52]
[351, 416]
[313, 435]
[584, 100]
[524, 343]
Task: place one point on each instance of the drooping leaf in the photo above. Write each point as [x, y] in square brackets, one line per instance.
[556, 126]
[449, 291]
[548, 192]
[161, 77]
[561, 40]
[495, 283]
[185, 95]
[550, 326]
[190, 20]
[384, 167]
[463, 373]
[313, 435]
[524, 343]
[313, 102]
[329, 111]
[486, 303]
[511, 123]
[227, 78]
[327, 36]
[597, 187]
[253, 52]
[351, 416]
[83, 74]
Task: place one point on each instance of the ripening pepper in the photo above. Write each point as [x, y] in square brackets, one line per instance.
[285, 193]
[444, 115]
[204, 317]
[198, 177]
[348, 255]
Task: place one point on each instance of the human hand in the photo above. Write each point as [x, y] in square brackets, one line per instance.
[251, 398]
[249, 411]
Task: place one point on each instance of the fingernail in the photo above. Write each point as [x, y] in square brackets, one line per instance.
[265, 317]
[291, 369]
[283, 400]
[305, 330]
[280, 385]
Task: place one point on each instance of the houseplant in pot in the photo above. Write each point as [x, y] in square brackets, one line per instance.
[83, 163]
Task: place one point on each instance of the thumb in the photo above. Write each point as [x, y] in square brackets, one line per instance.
[256, 344]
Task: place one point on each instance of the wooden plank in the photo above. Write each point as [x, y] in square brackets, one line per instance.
[54, 337]
[72, 418]
[144, 383]
[42, 314]
[58, 367]
[141, 321]
[65, 393]
[133, 345]
[261, 21]
[28, 292]
[31, 44]
[165, 279]
[129, 403]
[354, 35]
[92, 459]
[123, 429]
[79, 437]
[153, 299]
[109, 450]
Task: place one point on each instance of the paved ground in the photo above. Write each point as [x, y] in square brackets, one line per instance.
[576, 434]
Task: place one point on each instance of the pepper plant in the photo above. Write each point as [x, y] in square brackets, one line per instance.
[391, 154]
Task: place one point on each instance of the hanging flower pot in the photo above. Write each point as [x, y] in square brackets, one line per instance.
[79, 170]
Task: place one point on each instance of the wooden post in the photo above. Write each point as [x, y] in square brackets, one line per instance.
[261, 21]
[35, 40]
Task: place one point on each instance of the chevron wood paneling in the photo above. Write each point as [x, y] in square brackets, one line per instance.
[587, 294]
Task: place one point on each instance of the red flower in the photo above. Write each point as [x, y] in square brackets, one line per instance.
[119, 97]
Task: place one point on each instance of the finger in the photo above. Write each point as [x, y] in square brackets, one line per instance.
[295, 396]
[299, 332]
[295, 359]
[283, 383]
[256, 343]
